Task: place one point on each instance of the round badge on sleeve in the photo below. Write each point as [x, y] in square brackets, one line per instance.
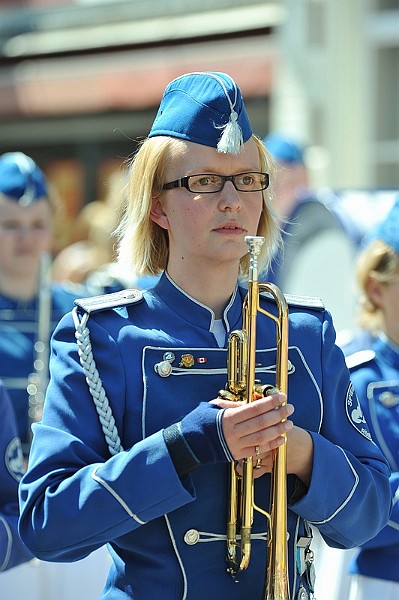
[354, 412]
[14, 459]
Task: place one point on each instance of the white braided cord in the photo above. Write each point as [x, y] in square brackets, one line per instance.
[95, 384]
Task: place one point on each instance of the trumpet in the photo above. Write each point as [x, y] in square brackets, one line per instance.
[242, 385]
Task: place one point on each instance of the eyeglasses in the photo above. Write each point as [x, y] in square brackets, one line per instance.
[205, 183]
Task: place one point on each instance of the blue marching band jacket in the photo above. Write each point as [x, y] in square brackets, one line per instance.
[100, 471]
[375, 375]
[12, 550]
[18, 335]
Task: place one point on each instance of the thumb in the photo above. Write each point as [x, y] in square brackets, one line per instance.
[226, 403]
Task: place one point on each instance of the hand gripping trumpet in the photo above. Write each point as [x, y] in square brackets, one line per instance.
[242, 385]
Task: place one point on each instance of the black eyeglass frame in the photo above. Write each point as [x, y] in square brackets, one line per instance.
[184, 182]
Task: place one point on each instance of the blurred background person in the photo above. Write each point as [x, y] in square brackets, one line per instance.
[375, 375]
[30, 303]
[90, 258]
[12, 550]
[321, 242]
[318, 253]
[91, 246]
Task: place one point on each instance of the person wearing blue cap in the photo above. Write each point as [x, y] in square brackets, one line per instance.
[12, 550]
[291, 186]
[30, 305]
[136, 442]
[315, 233]
[375, 375]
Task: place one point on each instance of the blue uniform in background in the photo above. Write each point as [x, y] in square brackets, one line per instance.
[157, 359]
[12, 551]
[22, 185]
[18, 334]
[375, 376]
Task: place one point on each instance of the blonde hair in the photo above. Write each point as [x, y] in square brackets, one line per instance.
[143, 245]
[381, 262]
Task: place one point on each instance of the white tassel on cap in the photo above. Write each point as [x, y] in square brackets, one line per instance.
[231, 139]
[26, 167]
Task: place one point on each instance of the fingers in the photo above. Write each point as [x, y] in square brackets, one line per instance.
[264, 466]
[299, 456]
[262, 423]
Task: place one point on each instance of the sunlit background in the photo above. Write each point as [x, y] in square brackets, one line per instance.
[80, 80]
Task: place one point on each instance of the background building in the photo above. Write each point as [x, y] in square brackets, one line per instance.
[80, 81]
[337, 88]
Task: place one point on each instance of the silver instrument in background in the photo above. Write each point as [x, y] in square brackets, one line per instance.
[38, 379]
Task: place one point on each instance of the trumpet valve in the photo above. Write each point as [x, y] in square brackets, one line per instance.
[227, 395]
[262, 390]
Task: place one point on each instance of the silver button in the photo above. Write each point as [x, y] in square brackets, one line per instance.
[389, 399]
[163, 368]
[302, 594]
[191, 537]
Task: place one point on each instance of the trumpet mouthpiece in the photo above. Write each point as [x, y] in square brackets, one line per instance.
[255, 243]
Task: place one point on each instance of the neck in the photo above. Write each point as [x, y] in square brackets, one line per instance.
[392, 341]
[213, 287]
[19, 288]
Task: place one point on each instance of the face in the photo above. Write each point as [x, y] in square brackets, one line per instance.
[290, 183]
[25, 234]
[386, 297]
[208, 230]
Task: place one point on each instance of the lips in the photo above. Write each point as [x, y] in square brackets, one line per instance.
[234, 227]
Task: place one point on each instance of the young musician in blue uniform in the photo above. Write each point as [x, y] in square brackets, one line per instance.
[135, 444]
[375, 375]
[12, 551]
[29, 302]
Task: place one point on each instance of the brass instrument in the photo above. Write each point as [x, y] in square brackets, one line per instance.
[38, 379]
[242, 385]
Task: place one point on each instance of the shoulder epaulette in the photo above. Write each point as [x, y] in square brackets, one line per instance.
[359, 358]
[302, 301]
[107, 301]
[305, 301]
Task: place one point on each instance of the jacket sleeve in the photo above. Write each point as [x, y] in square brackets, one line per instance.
[12, 550]
[389, 535]
[72, 476]
[349, 497]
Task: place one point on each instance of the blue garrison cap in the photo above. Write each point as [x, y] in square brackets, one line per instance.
[206, 108]
[21, 179]
[284, 149]
[388, 230]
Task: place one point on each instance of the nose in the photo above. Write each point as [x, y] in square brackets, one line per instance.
[230, 198]
[24, 231]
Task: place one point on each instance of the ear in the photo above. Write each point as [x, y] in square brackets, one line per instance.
[374, 292]
[158, 215]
